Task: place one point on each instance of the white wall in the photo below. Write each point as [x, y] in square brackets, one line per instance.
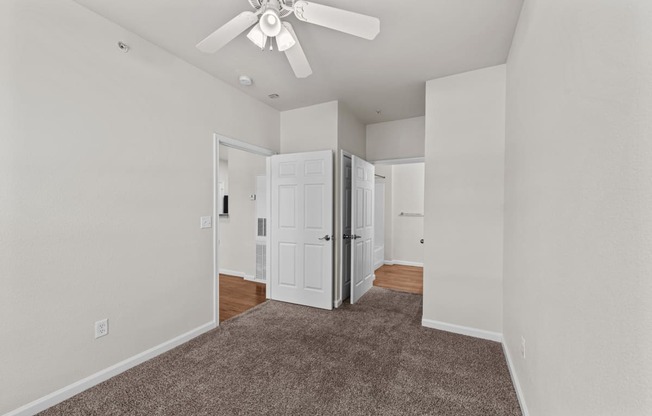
[310, 128]
[465, 137]
[223, 175]
[351, 133]
[105, 168]
[407, 196]
[237, 249]
[578, 196]
[398, 139]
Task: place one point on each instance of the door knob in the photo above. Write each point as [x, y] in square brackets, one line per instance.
[326, 237]
[355, 237]
[346, 237]
[421, 241]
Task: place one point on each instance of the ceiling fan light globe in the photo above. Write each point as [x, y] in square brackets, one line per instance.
[285, 40]
[257, 36]
[270, 23]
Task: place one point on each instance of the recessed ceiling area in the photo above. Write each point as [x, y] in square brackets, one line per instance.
[419, 40]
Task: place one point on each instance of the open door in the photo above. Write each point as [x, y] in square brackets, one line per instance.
[362, 219]
[302, 228]
[346, 231]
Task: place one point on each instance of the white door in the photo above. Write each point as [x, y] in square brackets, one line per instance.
[362, 208]
[302, 229]
[347, 183]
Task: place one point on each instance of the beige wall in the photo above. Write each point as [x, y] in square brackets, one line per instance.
[237, 248]
[578, 199]
[310, 128]
[465, 136]
[398, 139]
[106, 165]
[351, 133]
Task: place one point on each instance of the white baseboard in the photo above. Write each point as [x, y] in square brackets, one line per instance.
[463, 330]
[517, 384]
[238, 274]
[77, 387]
[403, 263]
[337, 303]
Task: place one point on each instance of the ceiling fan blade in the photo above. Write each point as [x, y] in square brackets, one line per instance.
[296, 56]
[218, 39]
[356, 24]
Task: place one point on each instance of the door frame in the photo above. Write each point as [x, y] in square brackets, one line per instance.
[340, 230]
[376, 222]
[219, 139]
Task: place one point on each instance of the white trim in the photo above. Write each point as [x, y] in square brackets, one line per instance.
[247, 147]
[240, 274]
[403, 263]
[337, 303]
[268, 245]
[403, 161]
[462, 330]
[216, 228]
[77, 387]
[517, 384]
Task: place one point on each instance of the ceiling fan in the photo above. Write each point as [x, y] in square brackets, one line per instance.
[268, 28]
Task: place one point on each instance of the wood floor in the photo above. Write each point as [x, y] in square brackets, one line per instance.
[402, 278]
[238, 295]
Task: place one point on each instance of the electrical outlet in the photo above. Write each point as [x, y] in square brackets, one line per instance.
[206, 222]
[522, 346]
[101, 328]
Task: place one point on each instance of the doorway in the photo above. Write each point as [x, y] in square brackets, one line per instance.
[398, 259]
[241, 178]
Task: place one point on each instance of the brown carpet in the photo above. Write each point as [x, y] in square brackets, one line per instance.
[372, 358]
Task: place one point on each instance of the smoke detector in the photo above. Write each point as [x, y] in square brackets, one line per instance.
[246, 81]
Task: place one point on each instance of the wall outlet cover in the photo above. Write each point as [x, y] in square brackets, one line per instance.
[101, 328]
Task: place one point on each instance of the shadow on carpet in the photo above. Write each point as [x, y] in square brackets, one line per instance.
[371, 358]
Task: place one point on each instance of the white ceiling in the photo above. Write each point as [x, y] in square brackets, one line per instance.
[419, 40]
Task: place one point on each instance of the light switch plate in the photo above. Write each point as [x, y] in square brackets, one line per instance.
[206, 222]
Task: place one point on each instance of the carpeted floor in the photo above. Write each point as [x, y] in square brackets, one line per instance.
[372, 358]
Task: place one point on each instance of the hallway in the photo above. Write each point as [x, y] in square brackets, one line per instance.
[238, 295]
[402, 278]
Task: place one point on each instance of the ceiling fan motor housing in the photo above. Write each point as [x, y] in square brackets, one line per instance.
[270, 21]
